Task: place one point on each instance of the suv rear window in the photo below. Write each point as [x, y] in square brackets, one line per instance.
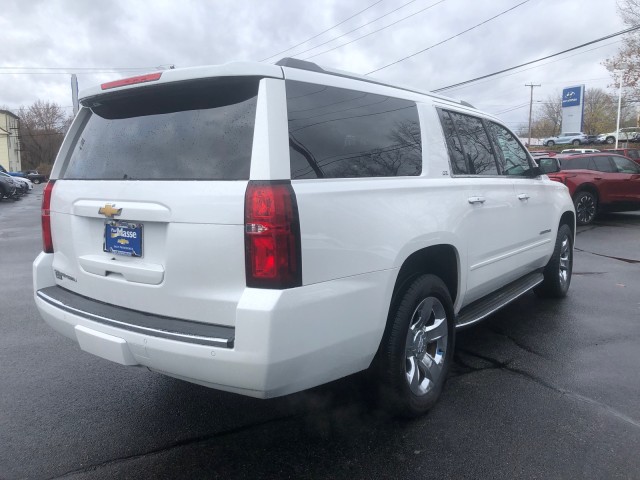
[197, 130]
[340, 133]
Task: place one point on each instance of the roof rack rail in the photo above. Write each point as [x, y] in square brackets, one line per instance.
[314, 67]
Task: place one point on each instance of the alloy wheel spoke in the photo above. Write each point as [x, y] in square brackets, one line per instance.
[437, 330]
[424, 313]
[429, 368]
[413, 375]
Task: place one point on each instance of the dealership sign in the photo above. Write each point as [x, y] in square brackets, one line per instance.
[572, 108]
[571, 96]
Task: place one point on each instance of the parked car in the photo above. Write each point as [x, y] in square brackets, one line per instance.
[579, 150]
[35, 177]
[574, 138]
[25, 183]
[599, 182]
[307, 232]
[7, 186]
[542, 153]
[13, 174]
[632, 153]
[626, 134]
[16, 189]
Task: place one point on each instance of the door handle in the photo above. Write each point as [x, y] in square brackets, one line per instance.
[523, 196]
[597, 178]
[476, 199]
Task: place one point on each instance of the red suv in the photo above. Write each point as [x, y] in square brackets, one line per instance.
[599, 181]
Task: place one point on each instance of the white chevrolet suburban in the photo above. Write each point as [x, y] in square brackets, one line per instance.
[263, 229]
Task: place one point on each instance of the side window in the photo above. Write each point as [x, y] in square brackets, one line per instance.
[476, 144]
[575, 163]
[456, 154]
[511, 155]
[340, 133]
[624, 165]
[603, 165]
[582, 162]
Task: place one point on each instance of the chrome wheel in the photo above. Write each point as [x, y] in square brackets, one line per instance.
[426, 346]
[585, 208]
[565, 262]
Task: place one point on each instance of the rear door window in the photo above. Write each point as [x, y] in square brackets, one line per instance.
[196, 130]
[476, 144]
[603, 164]
[340, 133]
[454, 146]
[576, 163]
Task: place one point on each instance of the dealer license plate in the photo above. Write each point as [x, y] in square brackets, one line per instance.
[123, 238]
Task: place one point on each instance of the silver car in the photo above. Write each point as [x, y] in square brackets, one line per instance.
[573, 138]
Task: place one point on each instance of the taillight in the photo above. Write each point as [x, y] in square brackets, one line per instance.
[272, 235]
[47, 239]
[150, 77]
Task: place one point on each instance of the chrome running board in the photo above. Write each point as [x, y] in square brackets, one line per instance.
[484, 307]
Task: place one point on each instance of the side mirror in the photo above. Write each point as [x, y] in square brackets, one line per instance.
[548, 165]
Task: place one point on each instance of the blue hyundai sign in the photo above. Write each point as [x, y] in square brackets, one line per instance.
[571, 96]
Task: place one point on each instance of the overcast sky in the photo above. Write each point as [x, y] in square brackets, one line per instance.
[121, 38]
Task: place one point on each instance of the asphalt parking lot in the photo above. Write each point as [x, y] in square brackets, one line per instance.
[544, 389]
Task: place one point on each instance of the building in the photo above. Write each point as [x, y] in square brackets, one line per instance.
[9, 142]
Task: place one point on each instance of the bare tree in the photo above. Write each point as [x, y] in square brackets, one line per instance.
[625, 64]
[548, 118]
[42, 129]
[600, 110]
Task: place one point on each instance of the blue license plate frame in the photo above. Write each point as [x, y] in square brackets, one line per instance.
[123, 238]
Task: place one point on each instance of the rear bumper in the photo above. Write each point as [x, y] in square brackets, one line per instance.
[283, 341]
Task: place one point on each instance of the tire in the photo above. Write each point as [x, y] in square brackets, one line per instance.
[417, 349]
[550, 143]
[36, 181]
[610, 140]
[557, 273]
[586, 205]
[575, 142]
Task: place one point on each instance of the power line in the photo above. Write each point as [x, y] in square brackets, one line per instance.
[358, 28]
[70, 72]
[375, 31]
[517, 107]
[77, 68]
[622, 32]
[324, 31]
[446, 40]
[554, 61]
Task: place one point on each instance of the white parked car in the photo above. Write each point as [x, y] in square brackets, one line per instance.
[24, 181]
[263, 229]
[626, 134]
[579, 150]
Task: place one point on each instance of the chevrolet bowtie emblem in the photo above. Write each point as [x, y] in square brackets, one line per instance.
[109, 210]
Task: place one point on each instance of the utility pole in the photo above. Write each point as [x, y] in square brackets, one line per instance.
[74, 93]
[531, 108]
